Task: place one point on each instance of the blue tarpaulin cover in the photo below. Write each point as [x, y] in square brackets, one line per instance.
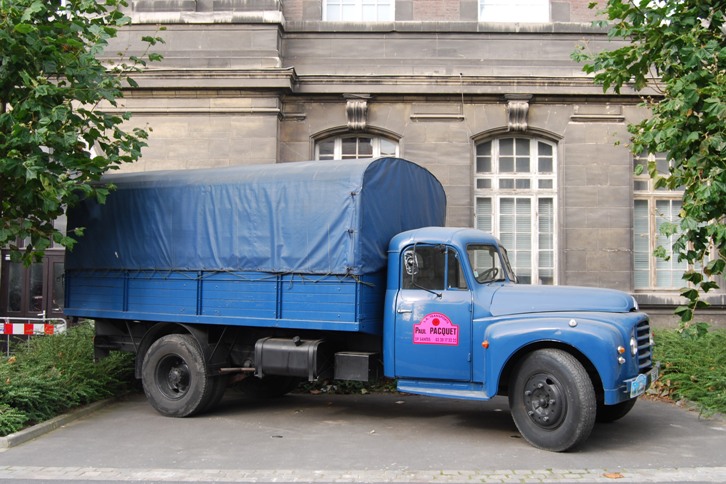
[316, 217]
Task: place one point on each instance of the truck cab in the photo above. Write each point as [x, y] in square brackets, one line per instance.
[458, 325]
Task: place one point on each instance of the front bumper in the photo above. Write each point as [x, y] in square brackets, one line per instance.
[637, 386]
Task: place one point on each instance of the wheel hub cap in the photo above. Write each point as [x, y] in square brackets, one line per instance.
[544, 401]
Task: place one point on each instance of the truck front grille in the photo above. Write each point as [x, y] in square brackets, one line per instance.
[645, 356]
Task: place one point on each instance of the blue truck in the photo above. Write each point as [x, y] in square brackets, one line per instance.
[263, 276]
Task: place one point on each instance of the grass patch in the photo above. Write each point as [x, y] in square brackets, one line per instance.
[693, 368]
[49, 375]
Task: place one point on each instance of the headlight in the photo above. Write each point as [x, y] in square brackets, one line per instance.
[633, 346]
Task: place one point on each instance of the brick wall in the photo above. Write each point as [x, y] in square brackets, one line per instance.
[440, 10]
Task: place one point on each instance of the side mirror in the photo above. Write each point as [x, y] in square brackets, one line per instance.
[410, 262]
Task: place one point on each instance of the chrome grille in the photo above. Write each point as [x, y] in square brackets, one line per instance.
[645, 356]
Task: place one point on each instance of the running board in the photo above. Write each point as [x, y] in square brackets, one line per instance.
[462, 391]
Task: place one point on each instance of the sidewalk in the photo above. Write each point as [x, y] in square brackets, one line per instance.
[78, 474]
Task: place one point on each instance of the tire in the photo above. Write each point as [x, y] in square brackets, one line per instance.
[552, 400]
[611, 413]
[219, 387]
[174, 376]
[268, 387]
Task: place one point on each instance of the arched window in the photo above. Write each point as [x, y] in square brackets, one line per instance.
[350, 147]
[515, 200]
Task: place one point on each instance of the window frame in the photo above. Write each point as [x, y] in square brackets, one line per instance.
[359, 6]
[645, 192]
[338, 144]
[537, 185]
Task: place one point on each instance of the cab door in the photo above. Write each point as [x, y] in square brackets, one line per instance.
[433, 316]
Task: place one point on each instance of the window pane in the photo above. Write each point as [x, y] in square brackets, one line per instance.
[349, 147]
[484, 214]
[506, 147]
[544, 149]
[58, 289]
[15, 286]
[641, 244]
[506, 183]
[522, 165]
[388, 148]
[484, 164]
[522, 147]
[668, 272]
[506, 164]
[483, 183]
[35, 301]
[484, 149]
[326, 150]
[640, 186]
[365, 147]
[522, 184]
[545, 184]
[545, 165]
[546, 229]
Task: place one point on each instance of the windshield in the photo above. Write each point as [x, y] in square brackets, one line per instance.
[487, 264]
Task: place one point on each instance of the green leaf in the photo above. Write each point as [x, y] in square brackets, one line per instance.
[23, 28]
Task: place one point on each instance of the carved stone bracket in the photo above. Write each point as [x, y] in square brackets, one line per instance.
[517, 112]
[356, 110]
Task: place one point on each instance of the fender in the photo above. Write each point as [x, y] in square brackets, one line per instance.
[215, 359]
[595, 340]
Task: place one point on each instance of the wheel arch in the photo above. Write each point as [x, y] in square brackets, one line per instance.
[160, 330]
[514, 360]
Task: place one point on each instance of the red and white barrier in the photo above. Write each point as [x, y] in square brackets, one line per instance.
[29, 327]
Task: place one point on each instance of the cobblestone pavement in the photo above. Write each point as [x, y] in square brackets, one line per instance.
[77, 474]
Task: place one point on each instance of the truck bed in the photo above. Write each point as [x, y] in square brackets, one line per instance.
[237, 298]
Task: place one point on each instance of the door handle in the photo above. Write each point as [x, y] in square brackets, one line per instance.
[404, 311]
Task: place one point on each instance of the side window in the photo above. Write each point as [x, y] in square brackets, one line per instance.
[432, 268]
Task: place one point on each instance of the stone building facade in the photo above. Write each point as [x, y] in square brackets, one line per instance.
[483, 93]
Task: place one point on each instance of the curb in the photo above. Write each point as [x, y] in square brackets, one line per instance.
[42, 428]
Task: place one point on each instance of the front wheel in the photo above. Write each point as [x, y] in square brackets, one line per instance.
[552, 400]
[174, 377]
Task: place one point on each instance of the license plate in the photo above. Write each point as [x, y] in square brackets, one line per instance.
[637, 388]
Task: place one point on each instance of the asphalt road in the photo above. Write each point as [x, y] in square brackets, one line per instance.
[362, 438]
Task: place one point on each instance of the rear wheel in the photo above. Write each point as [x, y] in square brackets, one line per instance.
[174, 376]
[220, 386]
[552, 400]
[611, 413]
